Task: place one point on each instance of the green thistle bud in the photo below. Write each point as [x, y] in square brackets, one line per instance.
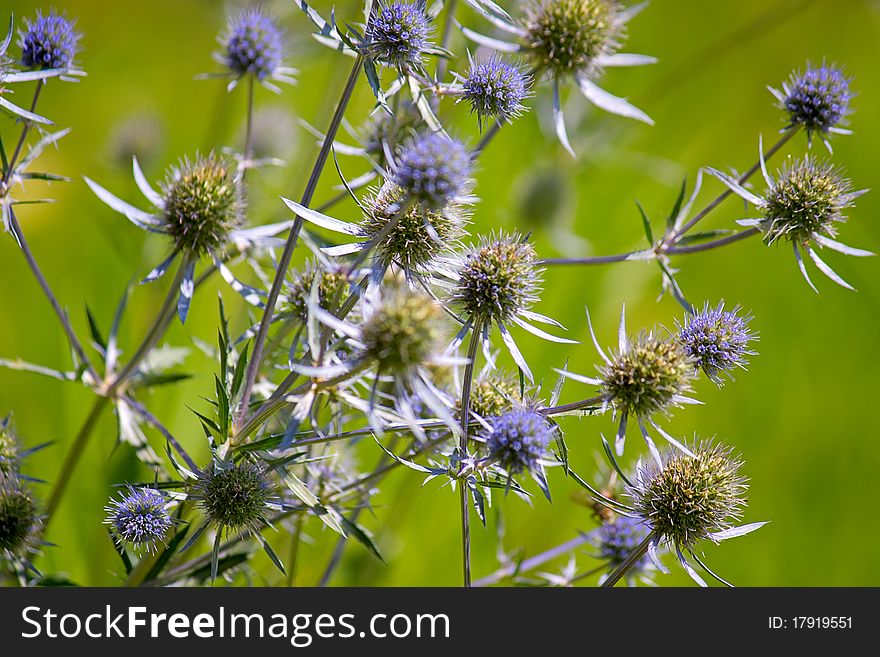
[404, 331]
[201, 204]
[420, 235]
[648, 376]
[494, 394]
[10, 451]
[689, 498]
[808, 199]
[234, 496]
[567, 36]
[332, 287]
[498, 279]
[18, 515]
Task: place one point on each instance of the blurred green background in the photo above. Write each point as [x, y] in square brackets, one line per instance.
[801, 415]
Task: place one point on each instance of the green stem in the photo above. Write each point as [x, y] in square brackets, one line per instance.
[634, 557]
[463, 450]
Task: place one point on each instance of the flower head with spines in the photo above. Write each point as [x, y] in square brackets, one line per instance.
[817, 99]
[140, 519]
[234, 496]
[493, 393]
[433, 170]
[495, 90]
[717, 340]
[49, 42]
[803, 205]
[252, 44]
[518, 439]
[19, 516]
[10, 449]
[332, 286]
[616, 539]
[398, 34]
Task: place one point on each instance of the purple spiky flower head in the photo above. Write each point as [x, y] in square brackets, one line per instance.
[495, 90]
[619, 538]
[717, 340]
[519, 439]
[397, 34]
[253, 44]
[818, 99]
[140, 519]
[433, 169]
[49, 42]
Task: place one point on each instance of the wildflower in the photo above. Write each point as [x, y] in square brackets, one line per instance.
[571, 39]
[19, 517]
[803, 205]
[518, 439]
[493, 393]
[253, 44]
[690, 498]
[818, 100]
[616, 539]
[200, 209]
[140, 519]
[49, 42]
[234, 496]
[433, 170]
[717, 340]
[495, 90]
[332, 286]
[397, 34]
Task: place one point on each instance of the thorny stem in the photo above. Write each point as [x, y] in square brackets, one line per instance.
[293, 237]
[634, 557]
[249, 126]
[463, 450]
[533, 562]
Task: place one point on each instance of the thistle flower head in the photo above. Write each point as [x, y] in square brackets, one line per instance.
[689, 498]
[332, 286]
[391, 130]
[49, 42]
[498, 279]
[648, 376]
[518, 439]
[618, 538]
[817, 99]
[495, 90]
[433, 169]
[140, 519]
[397, 34]
[10, 450]
[717, 340]
[568, 36]
[419, 236]
[808, 199]
[201, 204]
[19, 516]
[253, 44]
[234, 495]
[493, 394]
[405, 330]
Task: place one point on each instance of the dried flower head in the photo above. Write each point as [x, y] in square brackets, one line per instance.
[495, 90]
[717, 340]
[690, 498]
[568, 36]
[140, 519]
[332, 287]
[518, 439]
[234, 496]
[404, 331]
[493, 394]
[817, 99]
[19, 516]
[201, 204]
[418, 237]
[397, 34]
[498, 279]
[49, 42]
[433, 169]
[253, 44]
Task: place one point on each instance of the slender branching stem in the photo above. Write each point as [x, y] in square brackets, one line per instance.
[634, 557]
[463, 451]
[714, 244]
[573, 406]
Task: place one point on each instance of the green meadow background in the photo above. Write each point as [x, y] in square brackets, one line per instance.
[803, 416]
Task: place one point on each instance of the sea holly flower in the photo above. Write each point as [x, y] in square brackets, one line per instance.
[817, 99]
[717, 340]
[140, 519]
[647, 375]
[397, 34]
[518, 440]
[19, 517]
[493, 393]
[332, 286]
[495, 90]
[615, 540]
[200, 209]
[803, 205]
[253, 44]
[433, 170]
[49, 42]
[568, 40]
[689, 498]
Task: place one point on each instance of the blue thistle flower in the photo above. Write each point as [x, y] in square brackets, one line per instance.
[253, 44]
[495, 90]
[397, 34]
[140, 519]
[519, 439]
[717, 340]
[618, 538]
[49, 42]
[817, 99]
[433, 169]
